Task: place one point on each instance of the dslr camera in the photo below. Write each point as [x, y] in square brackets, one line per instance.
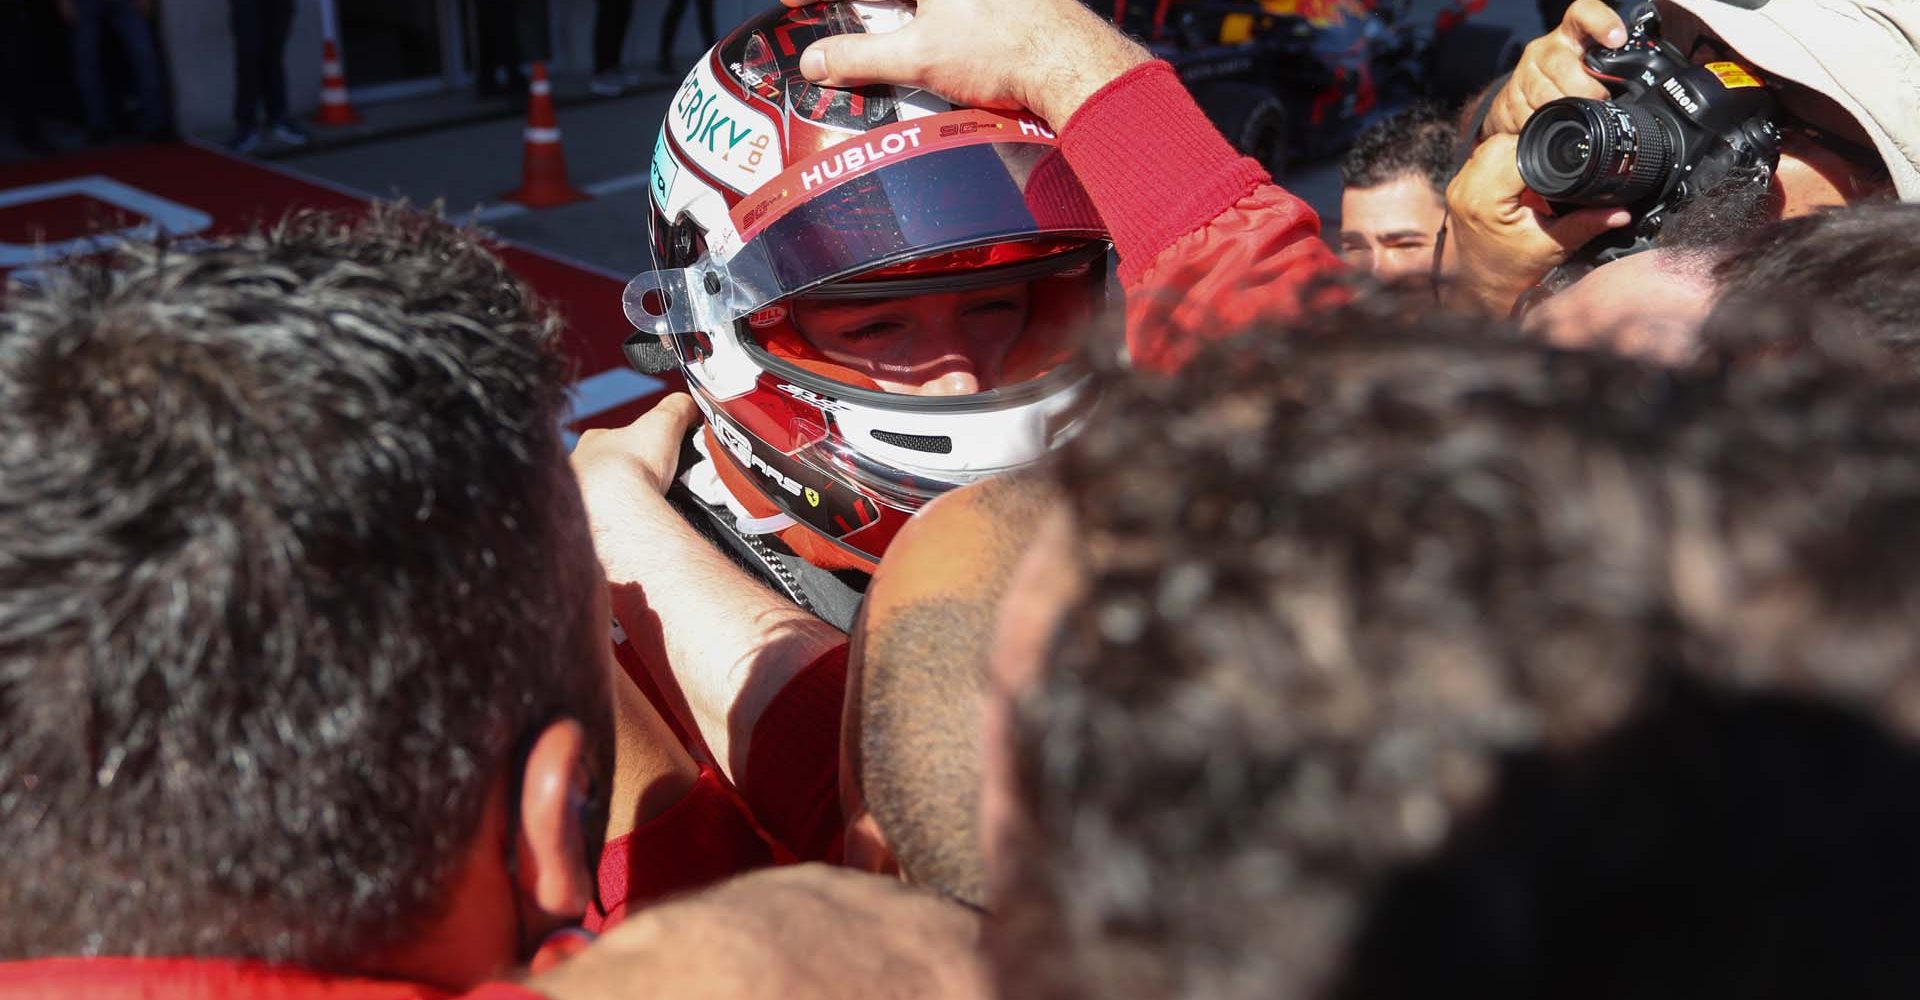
[1671, 131]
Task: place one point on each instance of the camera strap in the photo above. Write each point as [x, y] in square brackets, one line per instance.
[1552, 283]
[1475, 125]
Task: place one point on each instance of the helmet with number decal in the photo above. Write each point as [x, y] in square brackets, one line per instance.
[875, 296]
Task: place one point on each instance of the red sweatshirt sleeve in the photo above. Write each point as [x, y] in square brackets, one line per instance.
[706, 836]
[793, 761]
[1207, 242]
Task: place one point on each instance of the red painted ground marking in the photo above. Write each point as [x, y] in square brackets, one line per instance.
[240, 193]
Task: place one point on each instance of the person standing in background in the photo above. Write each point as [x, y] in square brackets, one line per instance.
[609, 37]
[260, 32]
[497, 30]
[129, 17]
[20, 82]
[1394, 202]
[670, 26]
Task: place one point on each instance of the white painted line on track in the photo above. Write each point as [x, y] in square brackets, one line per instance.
[609, 390]
[494, 213]
[486, 214]
[159, 215]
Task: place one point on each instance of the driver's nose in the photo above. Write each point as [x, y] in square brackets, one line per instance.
[960, 382]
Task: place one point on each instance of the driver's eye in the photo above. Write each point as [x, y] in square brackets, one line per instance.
[870, 331]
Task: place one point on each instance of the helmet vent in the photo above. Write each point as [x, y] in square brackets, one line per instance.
[932, 444]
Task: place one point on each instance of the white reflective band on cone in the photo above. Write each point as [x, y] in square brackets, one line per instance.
[543, 136]
[333, 95]
[330, 67]
[540, 88]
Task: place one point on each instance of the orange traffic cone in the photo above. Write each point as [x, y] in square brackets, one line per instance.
[543, 182]
[334, 109]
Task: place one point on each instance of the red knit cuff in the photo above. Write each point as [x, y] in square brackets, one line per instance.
[1155, 167]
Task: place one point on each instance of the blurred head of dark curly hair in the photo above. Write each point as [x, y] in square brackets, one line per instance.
[1417, 656]
[291, 562]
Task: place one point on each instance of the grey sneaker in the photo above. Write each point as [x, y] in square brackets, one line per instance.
[608, 85]
[284, 131]
[245, 141]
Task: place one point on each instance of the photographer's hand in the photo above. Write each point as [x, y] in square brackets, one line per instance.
[1550, 68]
[1504, 236]
[1046, 56]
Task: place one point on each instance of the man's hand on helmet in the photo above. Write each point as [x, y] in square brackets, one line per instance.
[635, 461]
[1551, 66]
[1046, 56]
[624, 474]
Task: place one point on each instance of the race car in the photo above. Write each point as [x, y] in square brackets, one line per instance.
[1292, 80]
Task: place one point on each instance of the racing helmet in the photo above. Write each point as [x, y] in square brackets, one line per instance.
[771, 195]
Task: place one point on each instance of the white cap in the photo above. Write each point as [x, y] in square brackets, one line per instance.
[1864, 55]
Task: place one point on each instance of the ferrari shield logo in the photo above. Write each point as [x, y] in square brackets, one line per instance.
[813, 497]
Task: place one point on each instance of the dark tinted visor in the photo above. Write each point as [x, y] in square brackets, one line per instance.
[879, 200]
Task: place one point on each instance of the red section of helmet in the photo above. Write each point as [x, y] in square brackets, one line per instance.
[759, 62]
[805, 542]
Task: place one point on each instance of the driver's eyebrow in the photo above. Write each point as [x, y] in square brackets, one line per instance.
[1405, 234]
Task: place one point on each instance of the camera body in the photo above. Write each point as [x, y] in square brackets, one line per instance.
[1671, 131]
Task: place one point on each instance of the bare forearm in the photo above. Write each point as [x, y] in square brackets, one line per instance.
[1076, 63]
[651, 770]
[730, 643]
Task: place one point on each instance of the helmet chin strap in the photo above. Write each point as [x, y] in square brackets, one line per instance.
[703, 480]
[805, 540]
[650, 355]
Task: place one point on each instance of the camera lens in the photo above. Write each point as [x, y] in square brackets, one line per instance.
[1588, 152]
[1569, 148]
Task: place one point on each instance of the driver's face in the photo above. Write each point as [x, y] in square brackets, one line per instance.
[949, 344]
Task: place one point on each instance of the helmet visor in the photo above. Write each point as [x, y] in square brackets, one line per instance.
[916, 188]
[958, 332]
